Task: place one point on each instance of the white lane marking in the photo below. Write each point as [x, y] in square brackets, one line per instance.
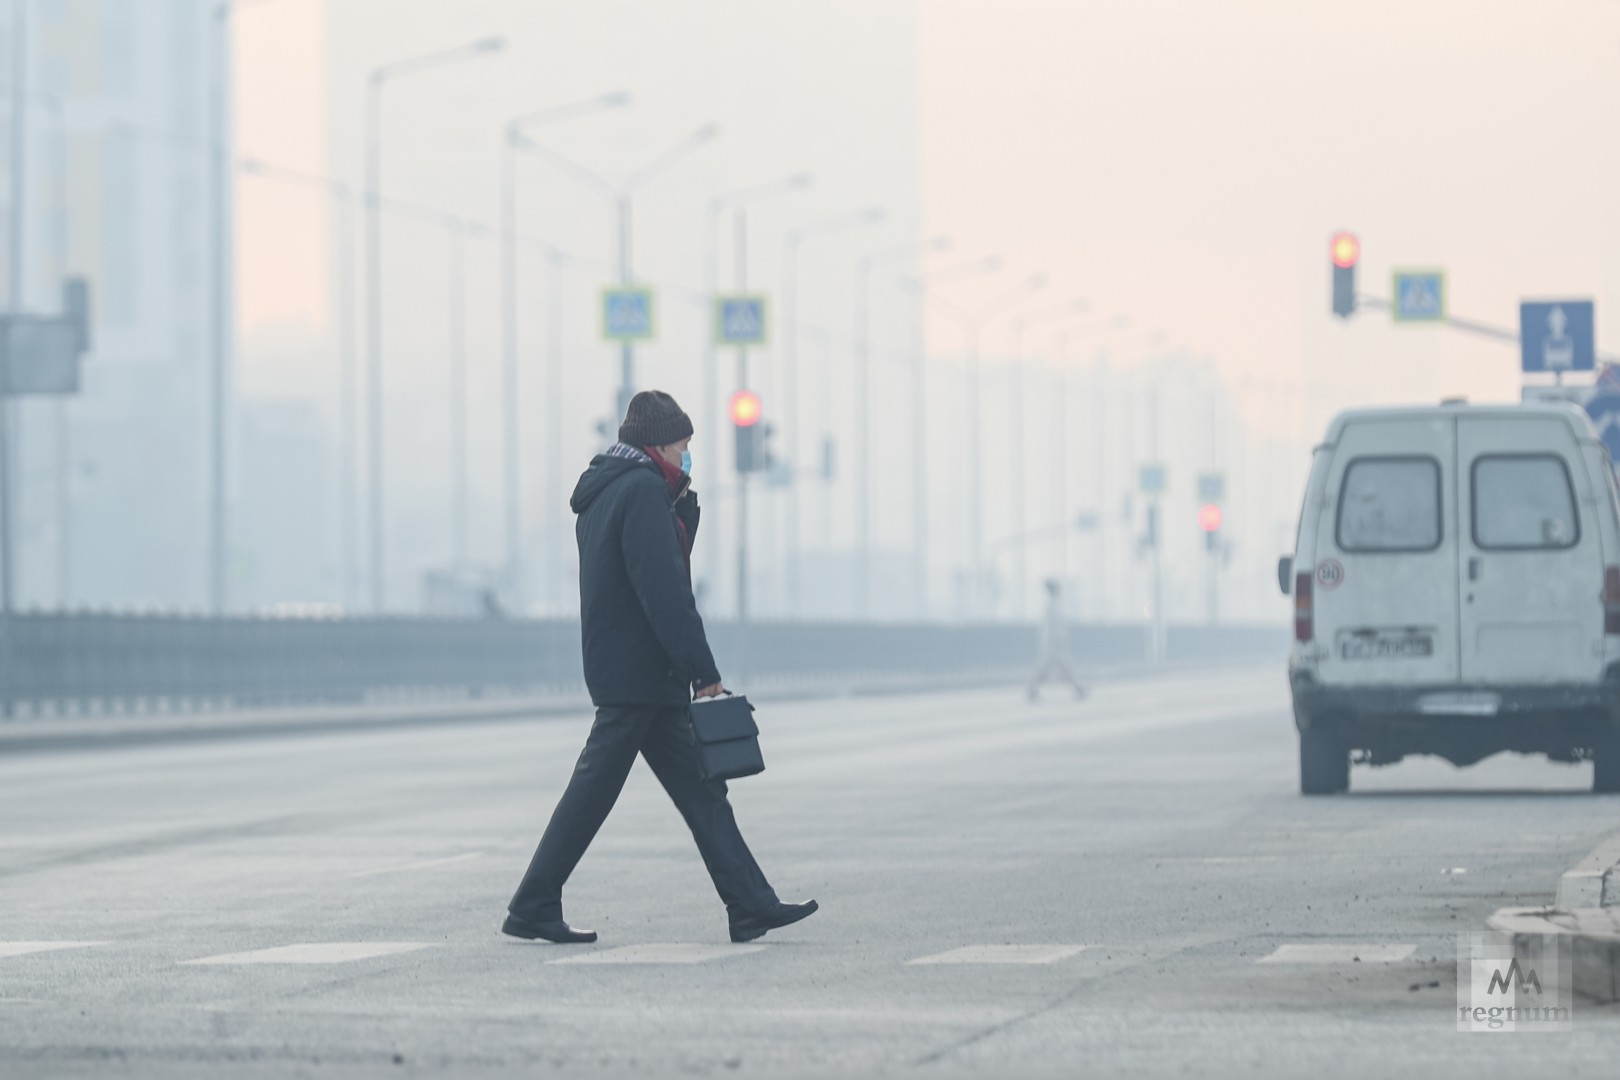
[1002, 954]
[1339, 954]
[337, 952]
[660, 954]
[23, 948]
[426, 865]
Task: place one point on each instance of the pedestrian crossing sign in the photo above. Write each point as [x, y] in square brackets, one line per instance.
[739, 320]
[1419, 296]
[627, 314]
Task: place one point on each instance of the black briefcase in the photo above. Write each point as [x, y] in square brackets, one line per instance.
[726, 737]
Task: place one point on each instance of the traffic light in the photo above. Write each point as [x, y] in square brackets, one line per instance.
[745, 414]
[1346, 252]
[1209, 520]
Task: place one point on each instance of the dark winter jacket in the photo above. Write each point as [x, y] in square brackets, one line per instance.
[642, 636]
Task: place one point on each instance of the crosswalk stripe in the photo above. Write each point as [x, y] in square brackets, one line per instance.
[1002, 954]
[336, 952]
[1338, 954]
[23, 948]
[660, 954]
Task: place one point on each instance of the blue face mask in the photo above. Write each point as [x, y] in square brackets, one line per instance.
[686, 462]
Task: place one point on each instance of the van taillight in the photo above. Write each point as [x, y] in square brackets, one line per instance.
[1303, 629]
[1611, 599]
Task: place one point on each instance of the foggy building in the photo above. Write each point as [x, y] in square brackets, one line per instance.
[111, 483]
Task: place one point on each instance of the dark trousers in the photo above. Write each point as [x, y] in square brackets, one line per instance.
[663, 736]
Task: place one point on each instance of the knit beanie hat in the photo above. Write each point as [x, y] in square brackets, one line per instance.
[653, 419]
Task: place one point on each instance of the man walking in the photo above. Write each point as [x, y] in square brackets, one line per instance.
[646, 657]
[1053, 664]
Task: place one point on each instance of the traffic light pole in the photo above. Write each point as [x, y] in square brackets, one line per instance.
[1157, 629]
[627, 351]
[740, 224]
[1157, 653]
[18, 259]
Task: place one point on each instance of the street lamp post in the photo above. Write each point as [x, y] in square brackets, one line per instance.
[919, 418]
[18, 258]
[557, 261]
[511, 412]
[1060, 349]
[963, 318]
[739, 204]
[376, 81]
[344, 197]
[221, 296]
[863, 406]
[713, 212]
[791, 243]
[972, 323]
[63, 416]
[620, 198]
[1016, 479]
[457, 230]
[62, 433]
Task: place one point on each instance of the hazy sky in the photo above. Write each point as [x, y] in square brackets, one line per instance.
[1181, 162]
[1186, 160]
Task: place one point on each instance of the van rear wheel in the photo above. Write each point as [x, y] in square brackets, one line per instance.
[1324, 764]
[1606, 764]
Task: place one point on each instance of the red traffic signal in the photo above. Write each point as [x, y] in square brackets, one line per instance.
[1346, 249]
[745, 408]
[1209, 517]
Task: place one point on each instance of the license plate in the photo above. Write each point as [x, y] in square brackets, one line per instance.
[1460, 703]
[1396, 646]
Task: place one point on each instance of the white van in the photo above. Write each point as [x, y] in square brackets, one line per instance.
[1456, 584]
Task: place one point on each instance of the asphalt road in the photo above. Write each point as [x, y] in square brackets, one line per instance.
[1099, 888]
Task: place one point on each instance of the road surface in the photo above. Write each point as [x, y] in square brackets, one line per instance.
[1120, 887]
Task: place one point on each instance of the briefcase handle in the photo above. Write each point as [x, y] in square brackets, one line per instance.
[728, 693]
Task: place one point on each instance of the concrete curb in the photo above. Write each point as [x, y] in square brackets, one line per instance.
[1594, 941]
[1594, 881]
[59, 734]
[102, 732]
[1587, 912]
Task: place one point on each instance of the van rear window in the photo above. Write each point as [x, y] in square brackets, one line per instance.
[1389, 504]
[1523, 502]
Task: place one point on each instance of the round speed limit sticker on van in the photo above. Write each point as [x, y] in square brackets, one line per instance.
[1329, 573]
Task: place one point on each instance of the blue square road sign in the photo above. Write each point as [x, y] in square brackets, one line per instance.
[739, 320]
[1419, 296]
[1558, 335]
[627, 314]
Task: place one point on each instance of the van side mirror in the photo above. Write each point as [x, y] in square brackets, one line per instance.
[1285, 574]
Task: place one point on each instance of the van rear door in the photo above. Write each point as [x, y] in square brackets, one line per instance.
[1531, 567]
[1385, 577]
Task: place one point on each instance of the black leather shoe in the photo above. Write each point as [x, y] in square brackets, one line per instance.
[750, 927]
[559, 932]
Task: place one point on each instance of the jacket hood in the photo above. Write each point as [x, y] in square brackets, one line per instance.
[603, 471]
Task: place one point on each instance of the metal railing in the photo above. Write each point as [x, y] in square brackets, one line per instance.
[76, 662]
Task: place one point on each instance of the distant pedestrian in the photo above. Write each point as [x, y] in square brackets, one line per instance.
[646, 657]
[1054, 663]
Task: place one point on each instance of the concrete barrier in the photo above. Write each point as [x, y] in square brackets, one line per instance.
[101, 663]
